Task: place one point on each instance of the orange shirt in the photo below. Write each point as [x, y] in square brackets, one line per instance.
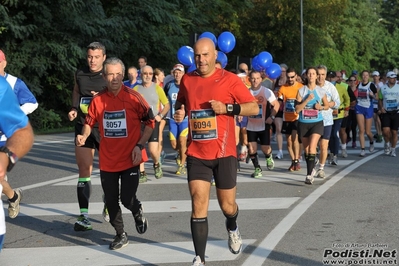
[119, 119]
[288, 94]
[211, 136]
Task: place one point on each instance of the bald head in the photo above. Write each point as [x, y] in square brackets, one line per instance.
[205, 55]
[244, 67]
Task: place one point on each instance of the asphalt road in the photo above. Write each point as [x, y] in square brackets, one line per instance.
[354, 211]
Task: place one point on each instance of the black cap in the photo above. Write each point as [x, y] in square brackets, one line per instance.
[331, 74]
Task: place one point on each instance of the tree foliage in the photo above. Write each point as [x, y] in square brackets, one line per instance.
[45, 40]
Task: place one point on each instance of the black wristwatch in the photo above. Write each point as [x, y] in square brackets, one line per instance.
[141, 147]
[12, 158]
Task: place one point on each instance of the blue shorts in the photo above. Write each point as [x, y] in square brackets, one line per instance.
[327, 132]
[366, 112]
[243, 123]
[177, 130]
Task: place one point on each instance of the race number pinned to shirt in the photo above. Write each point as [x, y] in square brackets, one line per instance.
[310, 114]
[289, 106]
[115, 124]
[391, 105]
[84, 104]
[203, 125]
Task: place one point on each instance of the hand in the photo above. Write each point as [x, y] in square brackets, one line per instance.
[218, 107]
[72, 114]
[179, 114]
[346, 113]
[136, 155]
[318, 106]
[239, 118]
[310, 97]
[93, 92]
[157, 118]
[80, 140]
[269, 120]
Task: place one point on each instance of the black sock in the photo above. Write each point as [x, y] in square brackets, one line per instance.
[14, 198]
[254, 159]
[310, 163]
[231, 221]
[199, 232]
[84, 192]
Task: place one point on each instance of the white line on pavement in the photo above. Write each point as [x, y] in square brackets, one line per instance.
[263, 250]
[52, 209]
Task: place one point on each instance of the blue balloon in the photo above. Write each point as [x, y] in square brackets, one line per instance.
[265, 59]
[209, 35]
[226, 42]
[222, 58]
[186, 55]
[191, 68]
[255, 64]
[273, 71]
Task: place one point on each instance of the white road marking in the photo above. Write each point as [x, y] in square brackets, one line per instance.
[52, 209]
[263, 250]
[132, 254]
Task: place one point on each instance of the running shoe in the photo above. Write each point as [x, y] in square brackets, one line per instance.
[105, 211]
[197, 261]
[320, 173]
[235, 241]
[354, 145]
[242, 156]
[344, 154]
[119, 242]
[213, 183]
[330, 157]
[379, 139]
[13, 207]
[141, 221]
[334, 160]
[181, 170]
[257, 173]
[362, 153]
[309, 180]
[178, 160]
[292, 167]
[143, 177]
[82, 224]
[387, 149]
[393, 153]
[158, 171]
[297, 166]
[371, 148]
[270, 163]
[279, 155]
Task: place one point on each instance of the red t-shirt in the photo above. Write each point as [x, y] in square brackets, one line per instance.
[211, 136]
[119, 118]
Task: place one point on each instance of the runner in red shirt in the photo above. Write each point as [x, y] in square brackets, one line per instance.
[119, 112]
[211, 97]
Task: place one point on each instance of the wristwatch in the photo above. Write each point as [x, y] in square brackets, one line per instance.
[141, 147]
[272, 117]
[229, 108]
[12, 158]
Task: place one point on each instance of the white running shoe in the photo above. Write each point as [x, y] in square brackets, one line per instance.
[362, 153]
[279, 155]
[235, 241]
[197, 261]
[393, 152]
[387, 148]
[371, 148]
[344, 154]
